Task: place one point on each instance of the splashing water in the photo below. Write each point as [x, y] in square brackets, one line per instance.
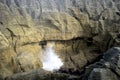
[50, 59]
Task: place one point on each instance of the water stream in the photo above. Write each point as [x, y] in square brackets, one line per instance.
[51, 61]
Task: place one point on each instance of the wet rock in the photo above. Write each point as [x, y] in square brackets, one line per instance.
[41, 75]
[81, 29]
[106, 68]
[102, 74]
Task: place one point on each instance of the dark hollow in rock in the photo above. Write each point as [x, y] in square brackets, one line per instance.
[106, 68]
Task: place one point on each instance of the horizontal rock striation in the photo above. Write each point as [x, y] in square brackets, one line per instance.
[81, 29]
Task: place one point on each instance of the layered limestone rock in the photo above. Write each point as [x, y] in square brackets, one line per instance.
[107, 68]
[81, 30]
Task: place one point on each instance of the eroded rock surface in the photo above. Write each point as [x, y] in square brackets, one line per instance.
[81, 29]
[105, 69]
[41, 75]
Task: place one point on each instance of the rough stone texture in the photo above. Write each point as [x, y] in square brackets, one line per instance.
[76, 53]
[105, 69]
[4, 43]
[41, 75]
[102, 74]
[81, 29]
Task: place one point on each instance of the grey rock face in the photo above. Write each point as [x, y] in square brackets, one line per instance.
[102, 74]
[36, 7]
[103, 13]
[41, 75]
[107, 68]
[24, 23]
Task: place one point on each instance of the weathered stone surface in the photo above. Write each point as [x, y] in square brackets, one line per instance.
[76, 51]
[4, 43]
[28, 57]
[102, 74]
[107, 68]
[41, 75]
[24, 23]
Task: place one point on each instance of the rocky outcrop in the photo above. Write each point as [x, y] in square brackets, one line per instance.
[106, 68]
[81, 29]
[41, 75]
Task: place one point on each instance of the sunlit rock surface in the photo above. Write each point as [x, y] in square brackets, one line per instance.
[81, 29]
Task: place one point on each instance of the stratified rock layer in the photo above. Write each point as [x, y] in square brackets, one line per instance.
[81, 30]
[105, 69]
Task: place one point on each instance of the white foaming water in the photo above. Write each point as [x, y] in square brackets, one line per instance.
[50, 59]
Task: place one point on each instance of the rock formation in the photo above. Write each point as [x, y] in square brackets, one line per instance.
[107, 68]
[81, 29]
